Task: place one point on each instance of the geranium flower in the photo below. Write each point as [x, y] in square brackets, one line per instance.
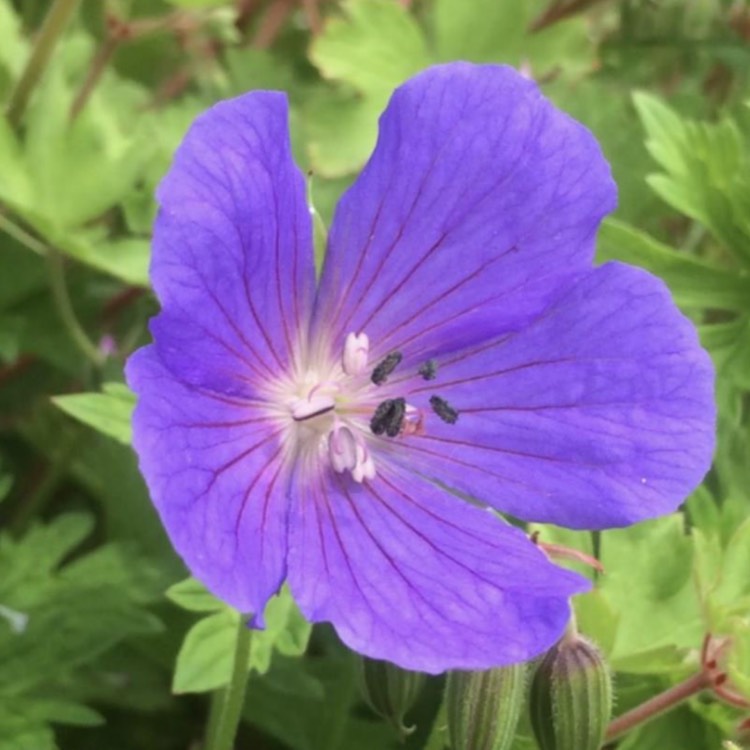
[459, 353]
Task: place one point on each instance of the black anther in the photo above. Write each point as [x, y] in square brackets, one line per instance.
[428, 370]
[388, 417]
[386, 367]
[444, 410]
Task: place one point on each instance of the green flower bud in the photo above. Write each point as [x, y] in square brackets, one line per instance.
[571, 697]
[483, 707]
[390, 691]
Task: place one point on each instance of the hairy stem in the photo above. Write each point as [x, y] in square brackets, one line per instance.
[227, 714]
[52, 28]
[658, 705]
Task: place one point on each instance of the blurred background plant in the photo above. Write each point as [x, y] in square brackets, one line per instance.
[97, 95]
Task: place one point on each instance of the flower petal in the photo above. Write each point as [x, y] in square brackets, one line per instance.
[479, 197]
[232, 252]
[213, 467]
[598, 414]
[406, 572]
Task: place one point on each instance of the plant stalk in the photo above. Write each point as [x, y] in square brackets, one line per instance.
[657, 705]
[65, 309]
[232, 696]
[53, 26]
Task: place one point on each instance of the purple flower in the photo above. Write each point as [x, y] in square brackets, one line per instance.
[460, 352]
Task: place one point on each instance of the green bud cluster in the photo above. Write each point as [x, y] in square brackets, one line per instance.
[483, 708]
[571, 697]
[390, 691]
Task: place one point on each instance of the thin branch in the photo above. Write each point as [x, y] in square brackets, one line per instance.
[559, 11]
[272, 23]
[65, 309]
[312, 15]
[658, 705]
[53, 26]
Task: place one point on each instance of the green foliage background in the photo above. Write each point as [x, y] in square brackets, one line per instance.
[103, 643]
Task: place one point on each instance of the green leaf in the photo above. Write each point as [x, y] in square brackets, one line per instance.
[126, 259]
[648, 579]
[706, 171]
[15, 182]
[368, 51]
[19, 731]
[597, 619]
[721, 576]
[498, 31]
[341, 130]
[695, 283]
[205, 659]
[109, 412]
[373, 47]
[58, 618]
[729, 344]
[65, 174]
[26, 566]
[13, 48]
[65, 712]
[193, 596]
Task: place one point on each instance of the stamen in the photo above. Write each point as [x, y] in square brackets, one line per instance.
[342, 447]
[365, 466]
[444, 410]
[309, 408]
[356, 349]
[348, 452]
[428, 370]
[388, 417]
[386, 367]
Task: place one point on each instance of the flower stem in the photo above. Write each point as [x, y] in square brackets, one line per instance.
[233, 695]
[65, 309]
[21, 236]
[52, 28]
[657, 705]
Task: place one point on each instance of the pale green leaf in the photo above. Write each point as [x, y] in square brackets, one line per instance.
[204, 662]
[374, 46]
[498, 31]
[368, 51]
[648, 579]
[193, 596]
[109, 412]
[695, 283]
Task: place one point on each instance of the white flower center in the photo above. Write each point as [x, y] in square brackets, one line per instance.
[343, 412]
[330, 407]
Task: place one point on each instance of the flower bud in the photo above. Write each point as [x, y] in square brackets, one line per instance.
[483, 707]
[390, 691]
[571, 697]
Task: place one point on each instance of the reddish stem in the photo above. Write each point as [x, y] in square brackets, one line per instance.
[272, 23]
[658, 705]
